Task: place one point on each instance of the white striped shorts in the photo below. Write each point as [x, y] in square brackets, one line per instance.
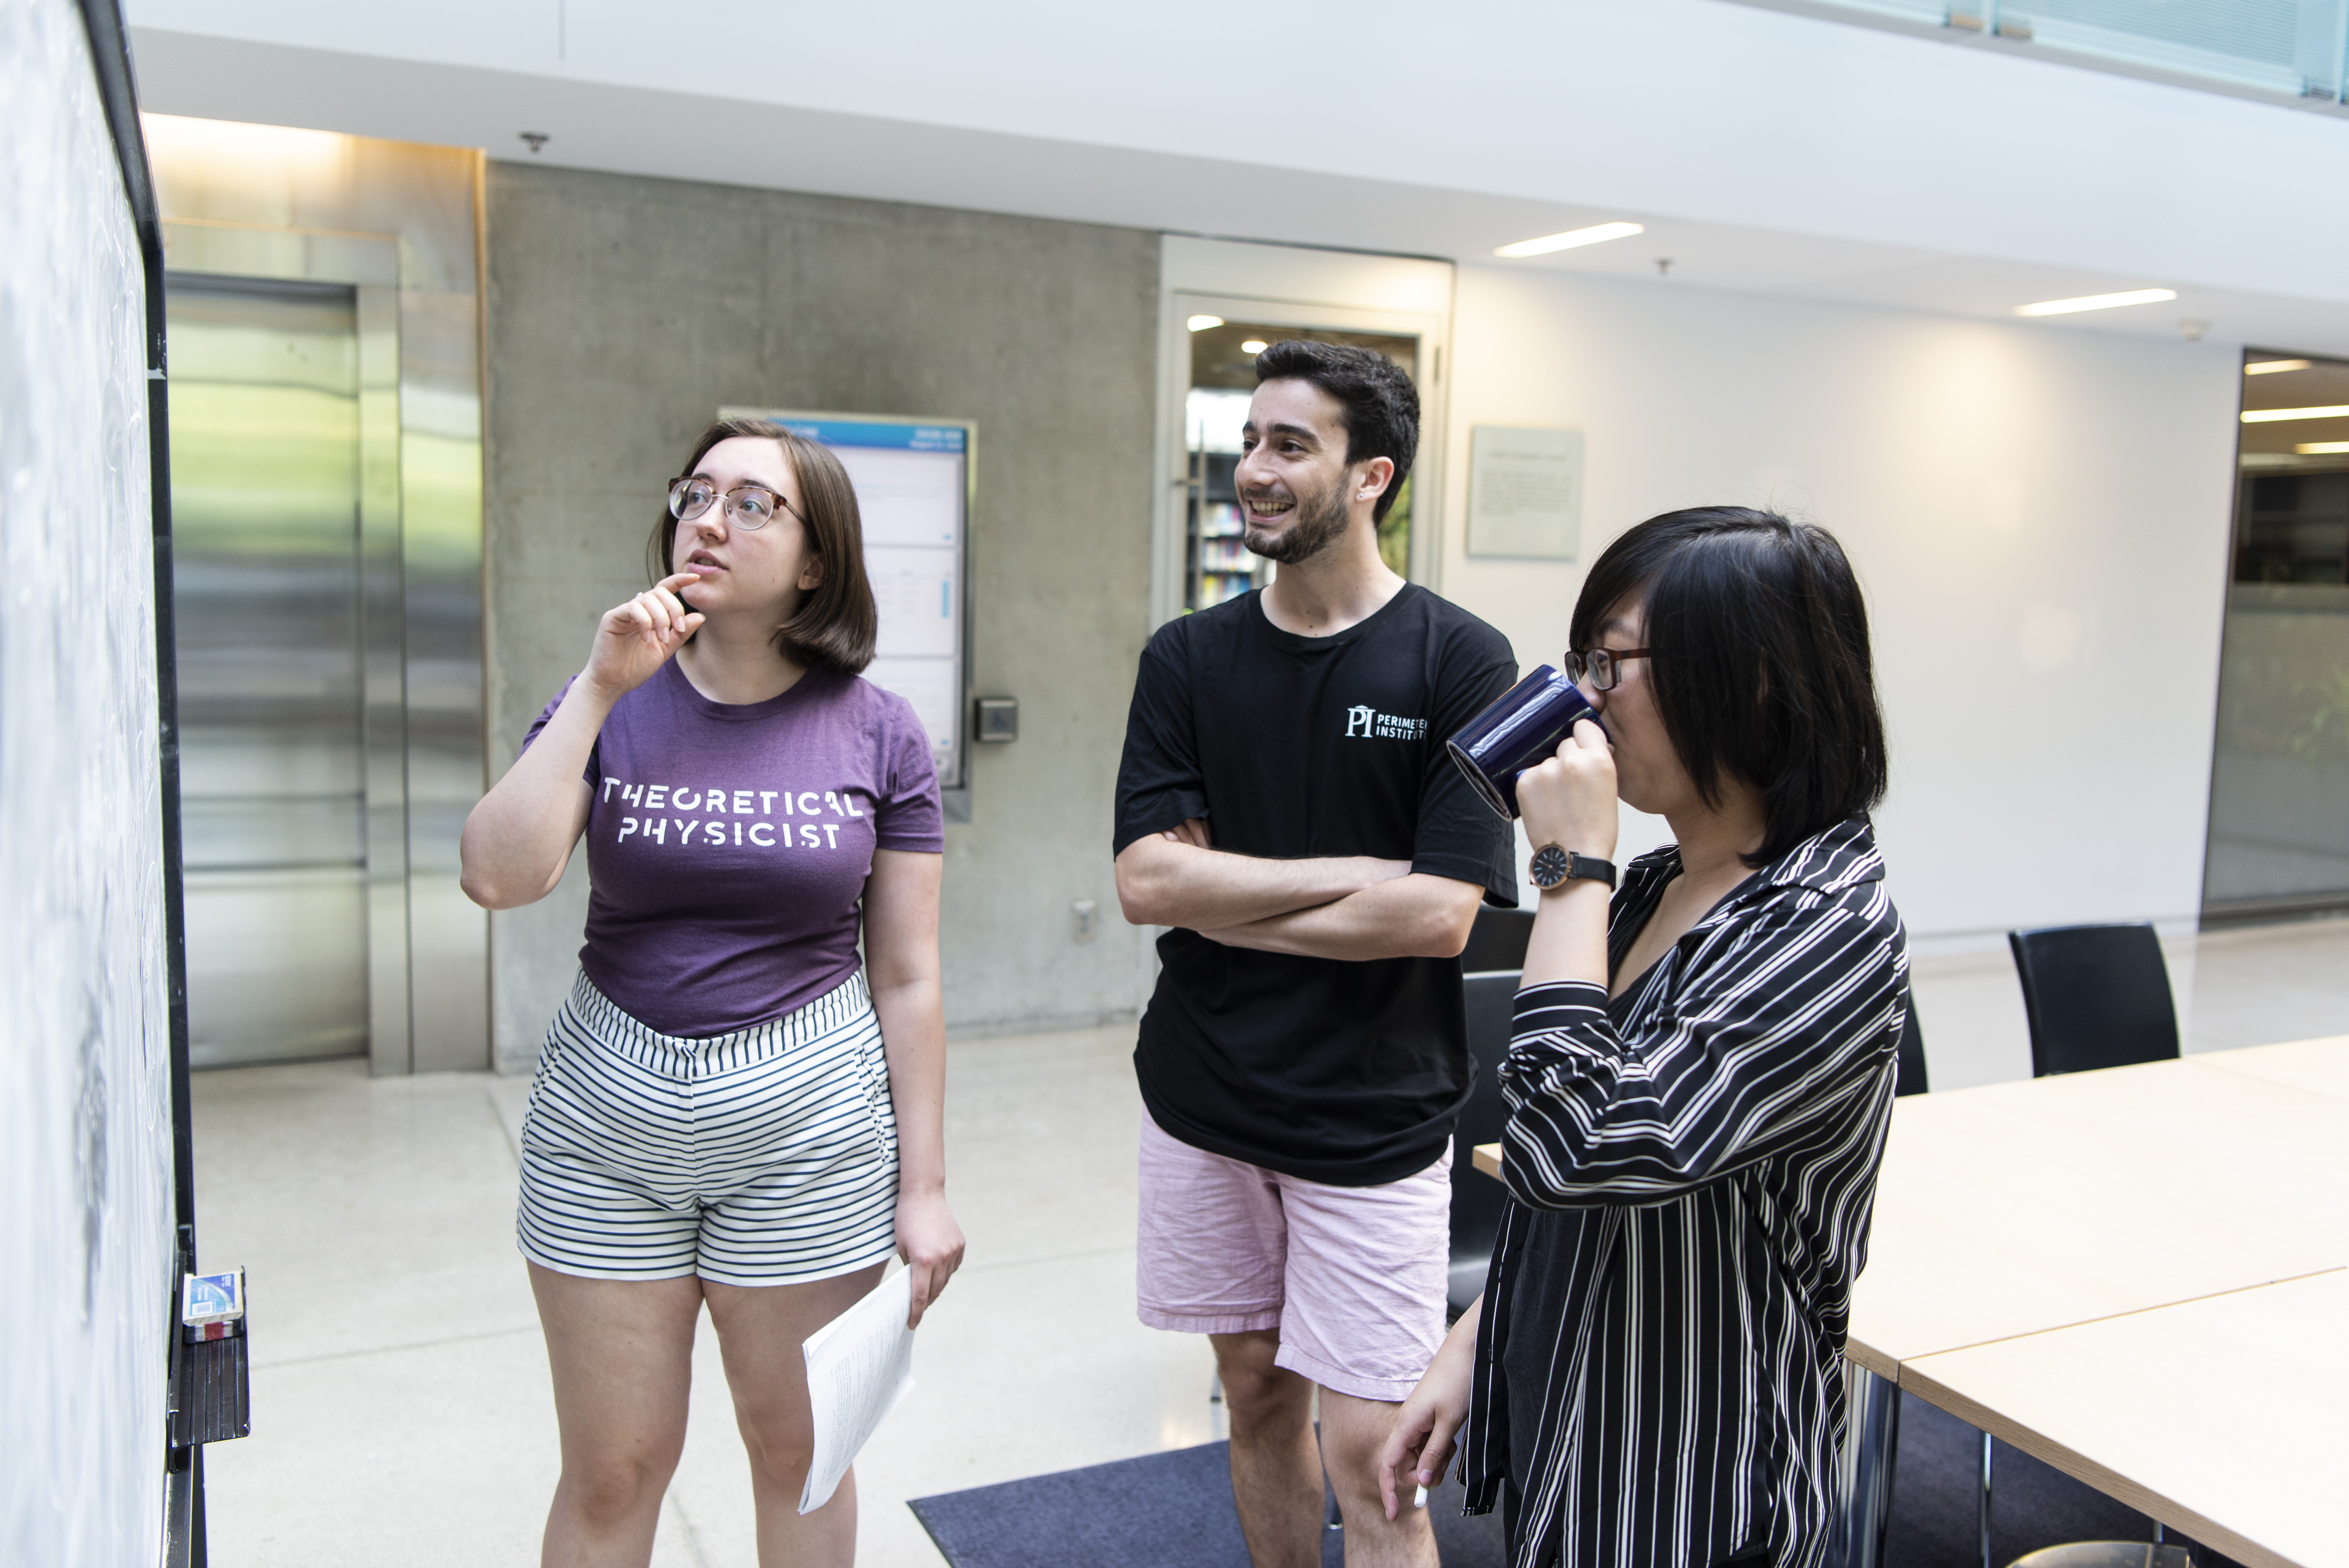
[766, 1156]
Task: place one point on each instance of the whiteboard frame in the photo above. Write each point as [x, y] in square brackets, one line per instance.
[955, 794]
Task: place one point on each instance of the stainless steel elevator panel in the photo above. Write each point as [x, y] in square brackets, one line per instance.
[392, 229]
[266, 497]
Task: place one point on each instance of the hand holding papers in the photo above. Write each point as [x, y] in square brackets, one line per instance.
[858, 1367]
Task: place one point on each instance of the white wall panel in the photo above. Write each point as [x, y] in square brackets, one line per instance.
[1662, 109]
[85, 1125]
[2040, 517]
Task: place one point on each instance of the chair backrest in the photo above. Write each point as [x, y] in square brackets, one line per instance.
[2097, 997]
[1497, 941]
[1910, 1079]
[1476, 1199]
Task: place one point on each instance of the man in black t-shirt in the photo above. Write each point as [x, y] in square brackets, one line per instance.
[1285, 804]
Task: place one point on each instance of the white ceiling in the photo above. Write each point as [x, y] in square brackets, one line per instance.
[1765, 151]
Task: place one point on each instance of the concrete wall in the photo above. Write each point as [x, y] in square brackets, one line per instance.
[623, 312]
[2039, 515]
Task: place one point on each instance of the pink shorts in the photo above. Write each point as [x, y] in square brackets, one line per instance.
[1353, 1277]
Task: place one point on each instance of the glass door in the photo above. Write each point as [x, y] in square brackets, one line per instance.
[2279, 777]
[1216, 565]
[265, 519]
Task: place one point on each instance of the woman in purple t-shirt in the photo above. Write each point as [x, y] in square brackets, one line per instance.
[723, 1113]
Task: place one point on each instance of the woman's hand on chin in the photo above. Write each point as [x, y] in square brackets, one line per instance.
[1569, 800]
[931, 1243]
[636, 638]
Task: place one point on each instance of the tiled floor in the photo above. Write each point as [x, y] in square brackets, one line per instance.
[400, 1405]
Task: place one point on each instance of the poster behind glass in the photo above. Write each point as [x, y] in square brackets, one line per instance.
[913, 490]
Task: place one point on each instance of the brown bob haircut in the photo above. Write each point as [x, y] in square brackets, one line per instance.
[836, 622]
[1761, 669]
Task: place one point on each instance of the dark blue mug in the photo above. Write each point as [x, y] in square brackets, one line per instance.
[1523, 727]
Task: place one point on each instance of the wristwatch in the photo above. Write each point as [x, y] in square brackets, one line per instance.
[1553, 866]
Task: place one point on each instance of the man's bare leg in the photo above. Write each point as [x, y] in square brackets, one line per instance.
[1352, 1432]
[1276, 1467]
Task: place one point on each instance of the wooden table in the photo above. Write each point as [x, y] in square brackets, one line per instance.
[2136, 1276]
[2316, 1067]
[2226, 1417]
[2023, 1207]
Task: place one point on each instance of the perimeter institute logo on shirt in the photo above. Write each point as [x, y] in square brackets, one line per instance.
[1364, 723]
[717, 815]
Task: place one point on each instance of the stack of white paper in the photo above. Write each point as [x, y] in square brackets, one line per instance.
[858, 1367]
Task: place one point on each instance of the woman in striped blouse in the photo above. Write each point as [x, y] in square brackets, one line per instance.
[1700, 1083]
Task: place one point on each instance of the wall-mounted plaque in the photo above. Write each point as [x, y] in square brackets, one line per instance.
[1525, 493]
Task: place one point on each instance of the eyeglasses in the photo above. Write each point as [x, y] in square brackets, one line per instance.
[1604, 666]
[747, 506]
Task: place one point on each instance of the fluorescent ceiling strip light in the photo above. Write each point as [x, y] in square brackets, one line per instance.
[2271, 366]
[1255, 345]
[1202, 323]
[2321, 448]
[1596, 235]
[2095, 301]
[2269, 416]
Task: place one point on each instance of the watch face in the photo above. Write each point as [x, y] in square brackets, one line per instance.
[1549, 866]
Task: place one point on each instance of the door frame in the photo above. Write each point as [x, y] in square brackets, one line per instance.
[1289, 285]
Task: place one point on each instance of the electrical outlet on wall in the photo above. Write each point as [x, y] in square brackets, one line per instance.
[1082, 919]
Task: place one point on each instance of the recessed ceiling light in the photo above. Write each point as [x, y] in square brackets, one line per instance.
[1255, 345]
[2271, 366]
[2321, 448]
[1201, 322]
[2269, 416]
[1593, 235]
[2095, 301]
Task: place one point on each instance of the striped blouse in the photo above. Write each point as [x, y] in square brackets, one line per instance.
[1658, 1376]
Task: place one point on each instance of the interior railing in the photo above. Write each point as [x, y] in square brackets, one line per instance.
[2297, 48]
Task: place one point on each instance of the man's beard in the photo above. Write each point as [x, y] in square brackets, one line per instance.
[1321, 521]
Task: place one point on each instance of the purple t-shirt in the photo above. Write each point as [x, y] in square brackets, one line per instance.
[728, 843]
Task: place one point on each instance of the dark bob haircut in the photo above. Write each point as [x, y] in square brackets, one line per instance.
[1761, 665]
[1381, 405]
[836, 622]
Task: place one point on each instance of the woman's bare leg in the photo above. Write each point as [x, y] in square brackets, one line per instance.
[622, 1355]
[759, 1329]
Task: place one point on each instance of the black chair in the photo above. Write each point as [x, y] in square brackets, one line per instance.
[2097, 997]
[1497, 941]
[1477, 1200]
[1911, 1079]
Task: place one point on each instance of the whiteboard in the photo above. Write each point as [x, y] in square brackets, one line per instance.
[913, 484]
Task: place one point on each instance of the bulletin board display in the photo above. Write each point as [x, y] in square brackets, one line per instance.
[912, 482]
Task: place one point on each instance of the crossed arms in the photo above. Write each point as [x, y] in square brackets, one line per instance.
[1351, 907]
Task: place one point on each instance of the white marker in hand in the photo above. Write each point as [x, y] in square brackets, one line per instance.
[1419, 1498]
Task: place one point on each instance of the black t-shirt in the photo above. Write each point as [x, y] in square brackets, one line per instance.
[1293, 748]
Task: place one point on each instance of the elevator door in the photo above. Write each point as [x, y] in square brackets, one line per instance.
[264, 435]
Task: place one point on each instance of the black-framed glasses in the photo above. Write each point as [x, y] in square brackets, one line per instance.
[1601, 666]
[747, 506]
